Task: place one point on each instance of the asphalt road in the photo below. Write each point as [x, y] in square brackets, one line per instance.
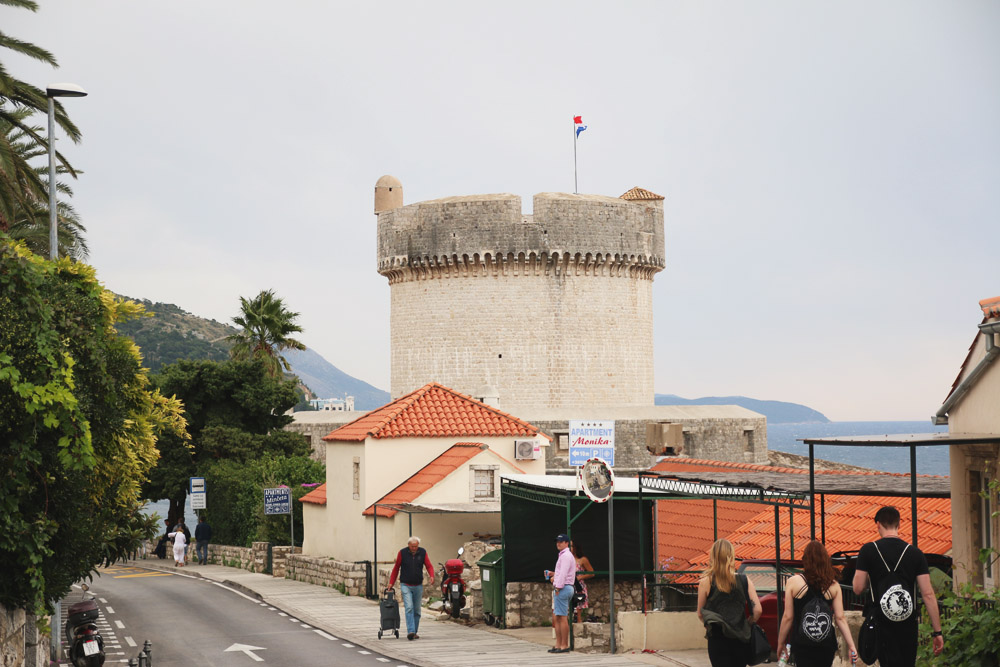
[191, 622]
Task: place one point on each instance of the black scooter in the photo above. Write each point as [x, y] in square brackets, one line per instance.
[86, 646]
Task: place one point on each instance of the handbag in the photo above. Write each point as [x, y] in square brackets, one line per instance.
[868, 634]
[579, 597]
[760, 650]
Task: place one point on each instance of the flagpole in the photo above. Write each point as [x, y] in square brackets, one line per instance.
[576, 187]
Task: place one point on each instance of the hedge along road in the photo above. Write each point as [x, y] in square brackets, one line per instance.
[193, 621]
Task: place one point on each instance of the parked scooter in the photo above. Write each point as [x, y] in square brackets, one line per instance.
[452, 585]
[86, 646]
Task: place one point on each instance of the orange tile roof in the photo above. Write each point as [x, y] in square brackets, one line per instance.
[639, 194]
[991, 307]
[317, 496]
[431, 474]
[433, 411]
[684, 527]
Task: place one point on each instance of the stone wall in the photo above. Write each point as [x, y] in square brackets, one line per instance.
[717, 439]
[571, 286]
[530, 604]
[346, 577]
[314, 433]
[21, 644]
[253, 558]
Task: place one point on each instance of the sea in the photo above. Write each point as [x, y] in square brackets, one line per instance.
[930, 460]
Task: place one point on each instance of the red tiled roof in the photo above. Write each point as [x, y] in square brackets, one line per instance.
[317, 496]
[433, 411]
[640, 194]
[991, 307]
[431, 474]
[684, 527]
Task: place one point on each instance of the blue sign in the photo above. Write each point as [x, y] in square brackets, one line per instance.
[591, 439]
[196, 485]
[278, 501]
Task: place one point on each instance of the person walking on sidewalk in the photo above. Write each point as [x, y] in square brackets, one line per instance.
[723, 596]
[895, 569]
[562, 584]
[180, 547]
[410, 563]
[202, 534]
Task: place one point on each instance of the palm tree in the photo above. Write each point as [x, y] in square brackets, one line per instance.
[23, 191]
[24, 206]
[266, 325]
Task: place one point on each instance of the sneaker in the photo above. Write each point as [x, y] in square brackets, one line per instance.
[411, 636]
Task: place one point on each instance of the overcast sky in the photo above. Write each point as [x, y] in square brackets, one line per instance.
[830, 170]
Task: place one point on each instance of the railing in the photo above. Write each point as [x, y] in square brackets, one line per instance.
[145, 658]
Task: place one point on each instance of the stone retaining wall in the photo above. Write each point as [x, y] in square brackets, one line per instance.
[345, 576]
[530, 604]
[21, 644]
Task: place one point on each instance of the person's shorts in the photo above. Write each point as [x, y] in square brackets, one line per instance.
[561, 600]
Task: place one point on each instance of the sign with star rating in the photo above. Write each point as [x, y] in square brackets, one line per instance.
[591, 439]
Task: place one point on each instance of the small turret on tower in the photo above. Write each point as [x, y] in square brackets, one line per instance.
[388, 194]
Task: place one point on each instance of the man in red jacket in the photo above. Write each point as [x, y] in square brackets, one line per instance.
[410, 563]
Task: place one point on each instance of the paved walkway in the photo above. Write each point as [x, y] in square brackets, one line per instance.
[442, 643]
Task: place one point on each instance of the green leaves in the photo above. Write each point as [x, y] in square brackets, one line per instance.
[267, 327]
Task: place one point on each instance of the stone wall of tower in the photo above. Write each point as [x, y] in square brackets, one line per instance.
[552, 309]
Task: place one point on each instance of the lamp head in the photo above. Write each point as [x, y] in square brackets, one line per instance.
[64, 90]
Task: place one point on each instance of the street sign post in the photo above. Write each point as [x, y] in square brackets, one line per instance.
[279, 501]
[591, 439]
[598, 481]
[196, 488]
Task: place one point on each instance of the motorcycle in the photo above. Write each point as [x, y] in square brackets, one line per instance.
[452, 585]
[86, 646]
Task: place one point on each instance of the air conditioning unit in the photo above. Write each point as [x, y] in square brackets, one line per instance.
[526, 450]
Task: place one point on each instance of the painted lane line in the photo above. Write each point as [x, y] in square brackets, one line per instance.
[121, 626]
[281, 613]
[382, 659]
[348, 645]
[306, 627]
[272, 609]
[327, 636]
[110, 610]
[130, 641]
[364, 652]
[103, 601]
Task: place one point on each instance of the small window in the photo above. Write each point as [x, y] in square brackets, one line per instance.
[562, 441]
[483, 482]
[748, 440]
[357, 479]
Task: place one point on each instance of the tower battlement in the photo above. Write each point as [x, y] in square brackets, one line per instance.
[552, 308]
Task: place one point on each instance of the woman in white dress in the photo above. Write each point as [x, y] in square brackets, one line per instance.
[180, 547]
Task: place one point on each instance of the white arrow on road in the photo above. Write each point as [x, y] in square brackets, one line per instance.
[246, 648]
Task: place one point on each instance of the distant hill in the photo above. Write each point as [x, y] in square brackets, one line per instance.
[173, 334]
[777, 412]
[328, 381]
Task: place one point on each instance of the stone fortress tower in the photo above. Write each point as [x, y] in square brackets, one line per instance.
[548, 310]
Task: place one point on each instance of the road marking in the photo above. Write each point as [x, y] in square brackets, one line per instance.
[246, 648]
[121, 626]
[144, 574]
[130, 641]
[323, 634]
[306, 627]
[348, 645]
[110, 610]
[103, 601]
[364, 652]
[272, 609]
[281, 613]
[382, 659]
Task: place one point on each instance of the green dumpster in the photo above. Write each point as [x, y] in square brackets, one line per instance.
[492, 582]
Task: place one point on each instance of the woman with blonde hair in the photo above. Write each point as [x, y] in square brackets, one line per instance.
[813, 605]
[723, 597]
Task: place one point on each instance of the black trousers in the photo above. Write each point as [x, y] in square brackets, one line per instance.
[727, 652]
[813, 656]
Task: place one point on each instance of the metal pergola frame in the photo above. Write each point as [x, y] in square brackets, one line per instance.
[910, 441]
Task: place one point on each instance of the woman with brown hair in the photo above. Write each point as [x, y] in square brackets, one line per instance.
[723, 597]
[813, 605]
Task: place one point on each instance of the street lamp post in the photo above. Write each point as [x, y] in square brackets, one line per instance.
[52, 92]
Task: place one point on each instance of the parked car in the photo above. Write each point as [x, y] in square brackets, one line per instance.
[762, 572]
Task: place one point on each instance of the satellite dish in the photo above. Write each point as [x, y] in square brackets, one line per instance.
[597, 479]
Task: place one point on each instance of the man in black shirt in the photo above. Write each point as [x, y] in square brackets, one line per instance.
[891, 559]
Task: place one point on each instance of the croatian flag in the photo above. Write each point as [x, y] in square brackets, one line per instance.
[578, 122]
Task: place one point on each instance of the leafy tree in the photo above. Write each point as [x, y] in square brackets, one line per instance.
[18, 101]
[267, 326]
[237, 512]
[79, 422]
[234, 411]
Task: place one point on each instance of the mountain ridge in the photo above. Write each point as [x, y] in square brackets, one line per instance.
[777, 412]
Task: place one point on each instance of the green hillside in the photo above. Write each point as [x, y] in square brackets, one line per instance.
[172, 334]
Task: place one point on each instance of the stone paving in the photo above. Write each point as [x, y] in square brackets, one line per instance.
[442, 643]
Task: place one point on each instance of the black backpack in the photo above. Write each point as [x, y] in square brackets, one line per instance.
[816, 623]
[892, 598]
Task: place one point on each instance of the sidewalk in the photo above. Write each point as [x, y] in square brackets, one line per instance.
[442, 643]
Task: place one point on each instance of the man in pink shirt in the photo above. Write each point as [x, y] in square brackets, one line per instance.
[562, 584]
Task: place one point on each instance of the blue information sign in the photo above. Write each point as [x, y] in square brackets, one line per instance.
[278, 501]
